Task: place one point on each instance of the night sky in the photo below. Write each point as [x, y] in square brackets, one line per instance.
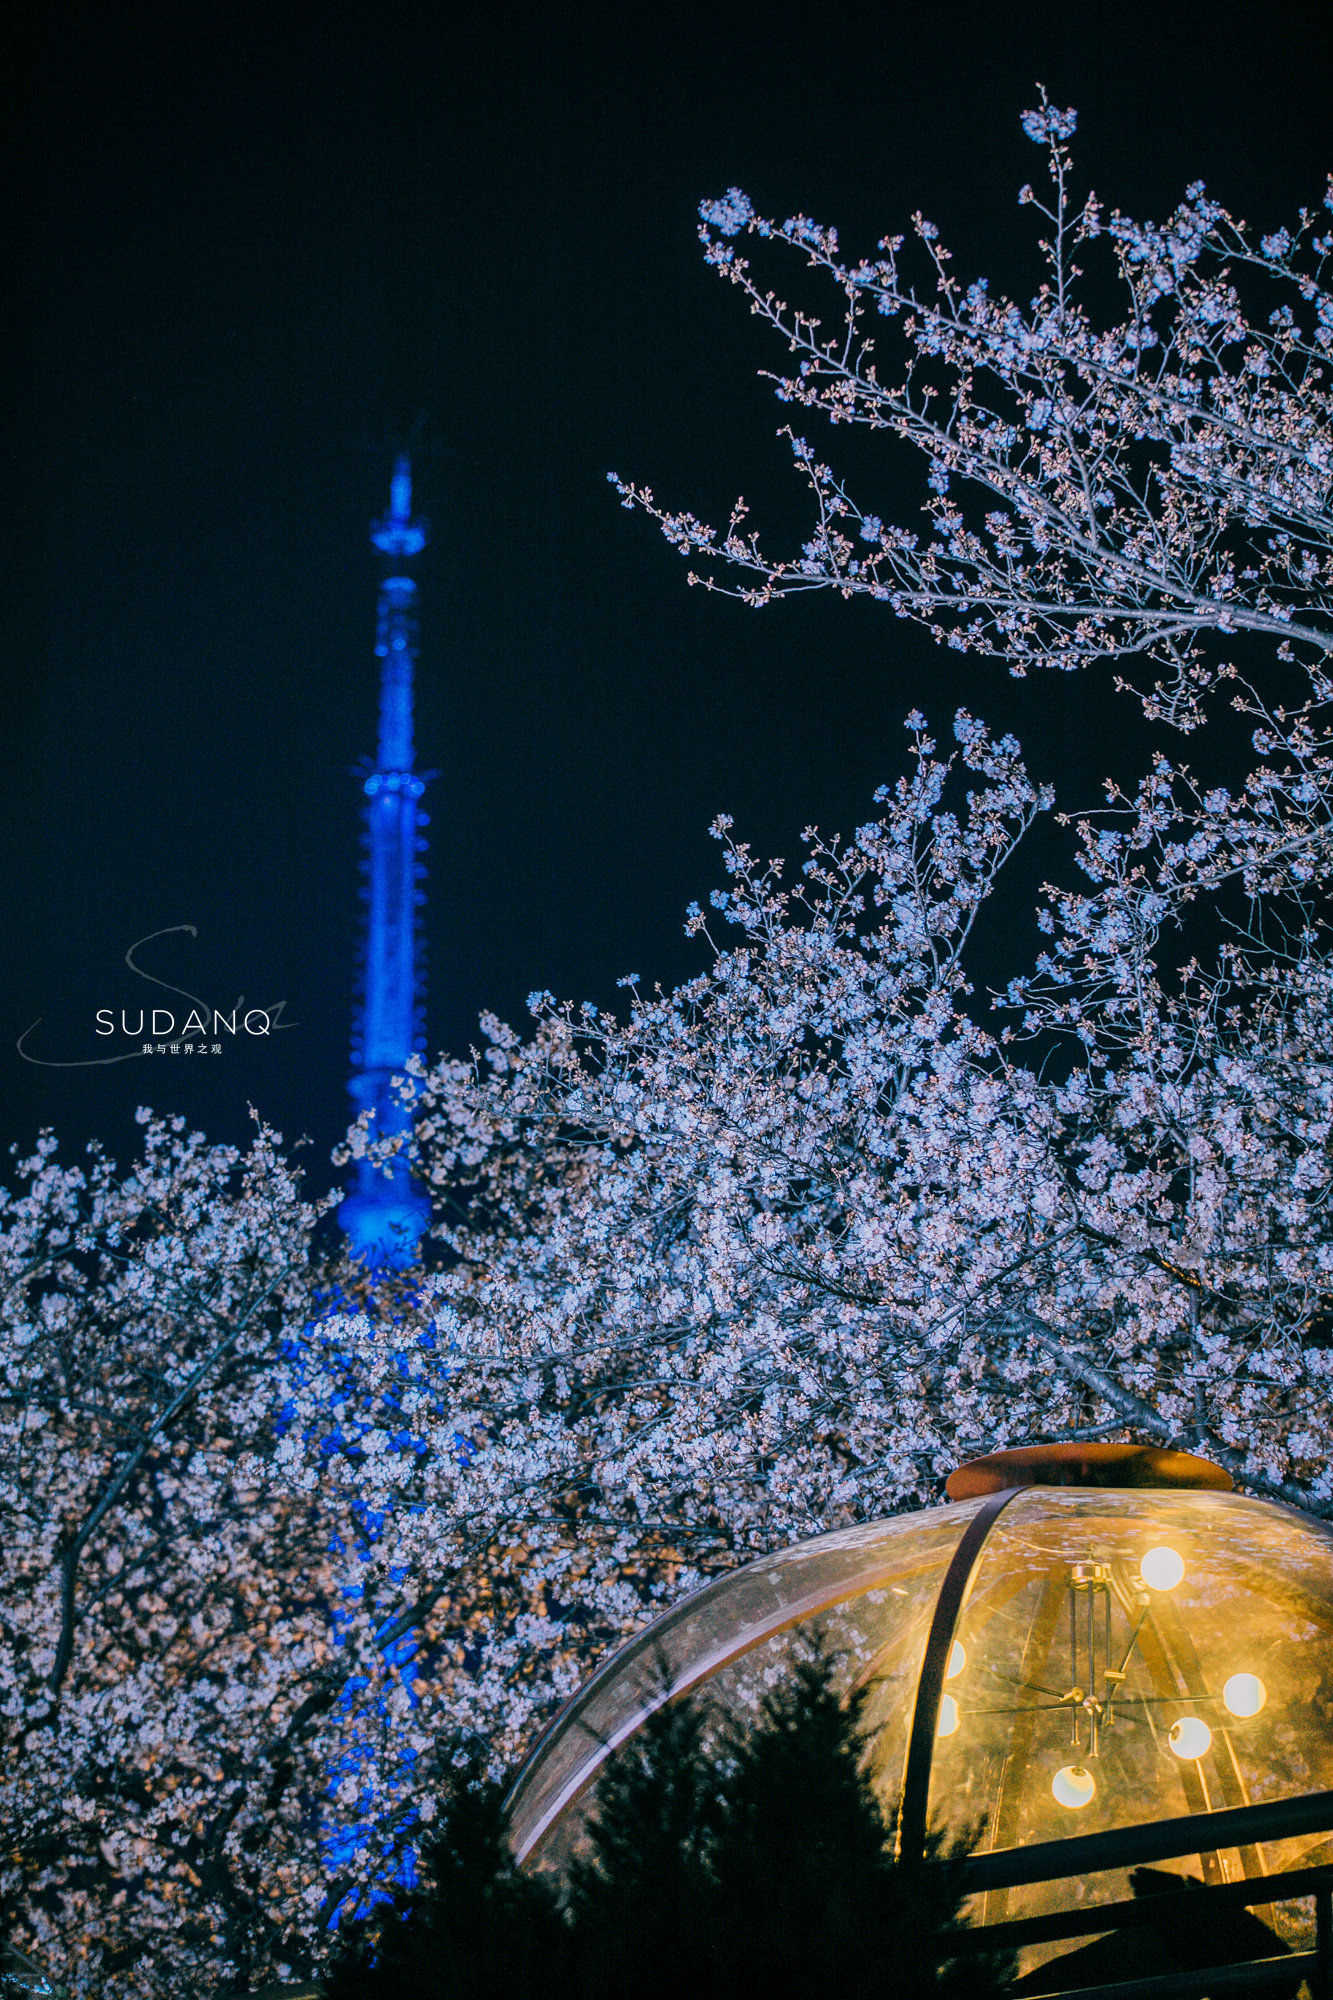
[256, 255]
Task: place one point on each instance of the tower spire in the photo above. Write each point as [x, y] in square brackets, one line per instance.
[385, 1216]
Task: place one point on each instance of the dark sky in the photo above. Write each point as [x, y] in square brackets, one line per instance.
[254, 253]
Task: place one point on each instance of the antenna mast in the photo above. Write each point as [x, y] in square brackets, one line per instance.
[385, 1216]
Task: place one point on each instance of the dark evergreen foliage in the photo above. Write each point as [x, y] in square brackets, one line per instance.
[643, 1899]
[478, 1925]
[804, 1887]
[743, 1864]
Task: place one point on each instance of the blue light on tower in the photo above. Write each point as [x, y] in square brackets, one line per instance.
[385, 1216]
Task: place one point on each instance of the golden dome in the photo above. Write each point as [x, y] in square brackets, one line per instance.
[1040, 1660]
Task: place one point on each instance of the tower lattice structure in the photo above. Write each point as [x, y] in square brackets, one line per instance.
[385, 1215]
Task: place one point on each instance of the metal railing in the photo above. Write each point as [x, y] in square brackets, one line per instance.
[1166, 1840]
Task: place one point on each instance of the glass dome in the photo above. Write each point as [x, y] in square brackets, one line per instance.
[1050, 1655]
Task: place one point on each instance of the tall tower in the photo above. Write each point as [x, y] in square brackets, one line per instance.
[385, 1217]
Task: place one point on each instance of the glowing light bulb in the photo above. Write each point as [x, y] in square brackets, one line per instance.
[949, 1718]
[1073, 1786]
[1245, 1694]
[957, 1660]
[1190, 1737]
[1161, 1569]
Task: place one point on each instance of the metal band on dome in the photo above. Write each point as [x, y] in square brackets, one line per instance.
[930, 1686]
[1084, 1464]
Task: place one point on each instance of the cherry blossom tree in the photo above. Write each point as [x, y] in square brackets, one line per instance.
[165, 1636]
[209, 1738]
[1149, 491]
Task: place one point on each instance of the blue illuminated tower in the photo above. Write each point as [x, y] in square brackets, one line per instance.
[385, 1218]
